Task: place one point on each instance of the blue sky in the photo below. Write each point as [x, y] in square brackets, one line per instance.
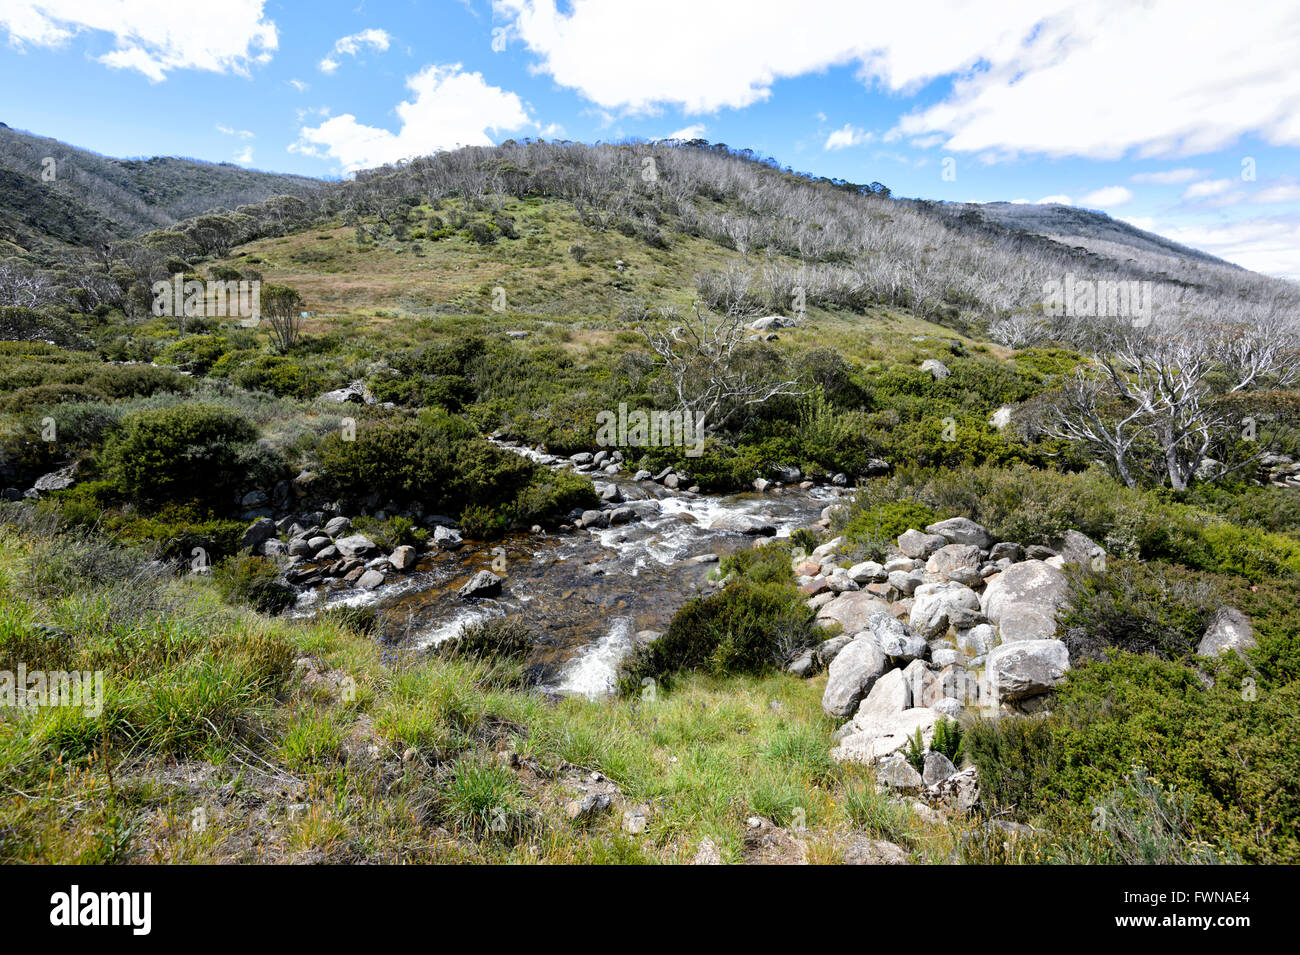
[1180, 116]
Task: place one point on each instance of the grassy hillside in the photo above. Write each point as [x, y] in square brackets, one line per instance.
[521, 290]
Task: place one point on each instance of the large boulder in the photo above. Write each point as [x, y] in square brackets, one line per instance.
[852, 610]
[1078, 548]
[895, 772]
[959, 562]
[1023, 600]
[889, 696]
[355, 545]
[354, 393]
[851, 676]
[937, 769]
[877, 738]
[1229, 630]
[925, 687]
[257, 534]
[962, 530]
[867, 572]
[919, 546]
[483, 584]
[938, 606]
[745, 524]
[936, 368]
[446, 538]
[895, 638]
[1026, 668]
[59, 480]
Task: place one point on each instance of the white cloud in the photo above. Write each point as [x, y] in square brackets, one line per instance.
[1268, 245]
[1207, 188]
[228, 131]
[245, 156]
[1100, 79]
[694, 131]
[151, 37]
[449, 108]
[1057, 200]
[847, 135]
[1169, 177]
[354, 44]
[1106, 197]
[1282, 191]
[300, 86]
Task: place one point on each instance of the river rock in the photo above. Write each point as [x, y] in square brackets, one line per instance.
[403, 558]
[959, 562]
[1229, 630]
[919, 546]
[867, 572]
[938, 768]
[889, 696]
[827, 650]
[370, 580]
[1023, 600]
[962, 530]
[483, 584]
[851, 675]
[1026, 668]
[355, 545]
[745, 524]
[879, 738]
[938, 606]
[895, 638]
[257, 533]
[851, 610]
[338, 526]
[446, 538]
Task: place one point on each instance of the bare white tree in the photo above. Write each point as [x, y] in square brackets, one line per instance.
[708, 375]
[1165, 384]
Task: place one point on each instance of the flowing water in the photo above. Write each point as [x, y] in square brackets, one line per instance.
[587, 592]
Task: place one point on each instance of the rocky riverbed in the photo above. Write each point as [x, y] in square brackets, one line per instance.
[593, 587]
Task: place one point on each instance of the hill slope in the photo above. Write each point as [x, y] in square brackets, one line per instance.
[92, 197]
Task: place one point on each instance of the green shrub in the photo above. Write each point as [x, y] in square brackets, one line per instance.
[254, 581]
[438, 461]
[744, 628]
[551, 495]
[1228, 751]
[185, 452]
[1138, 607]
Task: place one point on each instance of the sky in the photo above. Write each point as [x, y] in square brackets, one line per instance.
[1181, 117]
